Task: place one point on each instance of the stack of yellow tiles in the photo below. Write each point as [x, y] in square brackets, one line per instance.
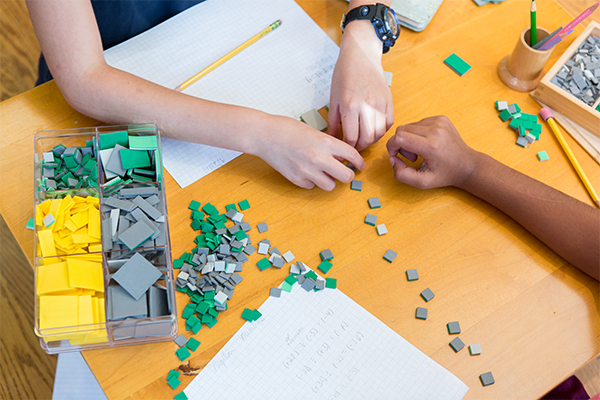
[76, 226]
[71, 294]
[70, 289]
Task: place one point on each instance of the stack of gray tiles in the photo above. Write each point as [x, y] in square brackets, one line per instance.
[581, 74]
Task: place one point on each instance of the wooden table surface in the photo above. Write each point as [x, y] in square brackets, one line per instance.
[535, 316]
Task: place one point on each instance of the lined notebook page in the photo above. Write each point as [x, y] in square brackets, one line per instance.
[321, 345]
[287, 72]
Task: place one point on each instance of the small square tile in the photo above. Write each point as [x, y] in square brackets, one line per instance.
[356, 185]
[371, 219]
[453, 328]
[487, 378]
[262, 227]
[427, 294]
[381, 229]
[457, 344]
[412, 275]
[475, 349]
[374, 202]
[390, 255]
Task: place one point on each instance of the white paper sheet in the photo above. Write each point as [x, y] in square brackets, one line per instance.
[321, 345]
[287, 72]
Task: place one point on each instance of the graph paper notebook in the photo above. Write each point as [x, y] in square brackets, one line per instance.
[321, 345]
[287, 72]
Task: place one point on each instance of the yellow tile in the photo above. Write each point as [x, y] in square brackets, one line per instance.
[65, 204]
[44, 207]
[71, 225]
[80, 207]
[39, 218]
[52, 278]
[95, 309]
[82, 238]
[94, 223]
[85, 292]
[59, 223]
[89, 257]
[95, 248]
[85, 274]
[101, 311]
[46, 243]
[85, 310]
[65, 241]
[80, 219]
[78, 199]
[58, 311]
[92, 200]
[54, 207]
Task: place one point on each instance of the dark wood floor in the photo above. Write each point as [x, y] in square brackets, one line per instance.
[26, 372]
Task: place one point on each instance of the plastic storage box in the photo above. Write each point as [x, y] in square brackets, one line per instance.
[103, 268]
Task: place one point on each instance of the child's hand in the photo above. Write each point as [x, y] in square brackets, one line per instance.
[308, 157]
[447, 160]
[360, 97]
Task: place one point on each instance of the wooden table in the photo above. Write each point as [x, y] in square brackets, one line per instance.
[535, 316]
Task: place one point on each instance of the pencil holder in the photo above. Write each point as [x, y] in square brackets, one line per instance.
[524, 68]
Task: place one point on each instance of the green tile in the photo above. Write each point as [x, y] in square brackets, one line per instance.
[457, 64]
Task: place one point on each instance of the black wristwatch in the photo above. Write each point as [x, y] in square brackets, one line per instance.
[382, 17]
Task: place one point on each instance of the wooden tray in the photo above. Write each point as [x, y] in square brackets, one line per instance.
[563, 101]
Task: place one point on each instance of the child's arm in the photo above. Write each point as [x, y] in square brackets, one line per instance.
[568, 226]
[360, 97]
[71, 44]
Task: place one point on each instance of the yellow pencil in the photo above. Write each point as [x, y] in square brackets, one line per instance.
[227, 56]
[546, 113]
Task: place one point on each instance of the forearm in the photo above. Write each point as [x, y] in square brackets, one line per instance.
[114, 96]
[568, 226]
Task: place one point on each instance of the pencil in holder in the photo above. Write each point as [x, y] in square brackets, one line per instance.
[523, 69]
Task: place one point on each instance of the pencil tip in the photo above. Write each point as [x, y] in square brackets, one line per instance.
[178, 88]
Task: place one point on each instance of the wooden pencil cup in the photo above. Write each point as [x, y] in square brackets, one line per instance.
[524, 68]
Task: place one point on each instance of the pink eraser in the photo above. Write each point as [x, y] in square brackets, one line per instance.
[546, 113]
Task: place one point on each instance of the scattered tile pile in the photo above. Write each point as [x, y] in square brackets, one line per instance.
[581, 74]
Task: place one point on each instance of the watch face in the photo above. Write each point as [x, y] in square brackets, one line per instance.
[392, 22]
